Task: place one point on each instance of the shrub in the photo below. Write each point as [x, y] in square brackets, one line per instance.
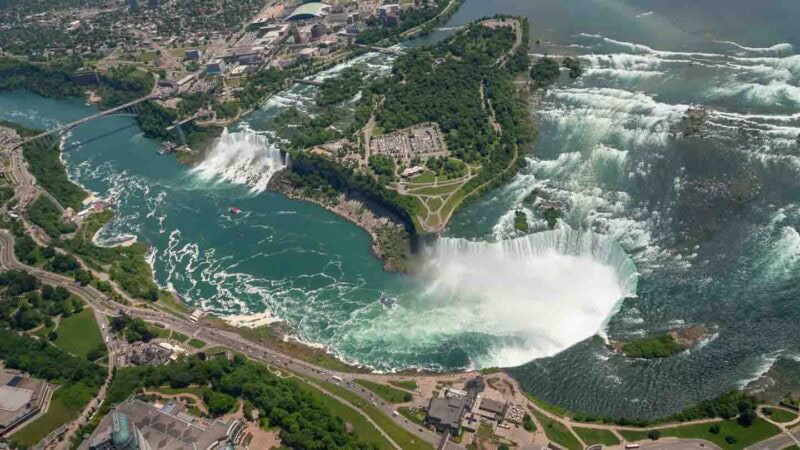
[713, 429]
[730, 440]
[654, 435]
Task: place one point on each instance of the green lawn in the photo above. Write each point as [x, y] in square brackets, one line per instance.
[404, 439]
[65, 405]
[781, 415]
[79, 334]
[159, 332]
[387, 393]
[197, 343]
[632, 436]
[549, 407]
[595, 436]
[557, 432]
[416, 416]
[424, 177]
[436, 191]
[758, 431]
[361, 426]
[405, 384]
[180, 337]
[196, 390]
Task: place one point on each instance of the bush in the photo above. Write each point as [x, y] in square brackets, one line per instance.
[747, 417]
[730, 440]
[654, 435]
[52, 336]
[713, 429]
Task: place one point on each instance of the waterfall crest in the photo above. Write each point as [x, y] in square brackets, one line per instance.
[241, 157]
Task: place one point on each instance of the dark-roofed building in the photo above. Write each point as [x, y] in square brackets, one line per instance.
[492, 409]
[137, 425]
[445, 413]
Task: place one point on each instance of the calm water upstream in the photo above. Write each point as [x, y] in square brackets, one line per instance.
[700, 230]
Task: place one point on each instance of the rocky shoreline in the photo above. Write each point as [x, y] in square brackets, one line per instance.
[390, 240]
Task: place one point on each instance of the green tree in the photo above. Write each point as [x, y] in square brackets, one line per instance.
[545, 72]
[654, 435]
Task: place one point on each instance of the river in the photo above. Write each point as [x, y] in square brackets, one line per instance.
[699, 230]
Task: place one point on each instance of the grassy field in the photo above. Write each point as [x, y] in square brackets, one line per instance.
[416, 416]
[180, 337]
[361, 426]
[434, 203]
[424, 177]
[436, 191]
[196, 390]
[595, 436]
[197, 343]
[758, 431]
[552, 409]
[404, 439]
[782, 416]
[557, 432]
[79, 334]
[405, 384]
[65, 405]
[387, 393]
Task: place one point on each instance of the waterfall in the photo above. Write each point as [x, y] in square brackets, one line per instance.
[563, 241]
[242, 157]
[537, 295]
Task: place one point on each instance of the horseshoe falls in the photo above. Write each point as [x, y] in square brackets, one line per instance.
[660, 228]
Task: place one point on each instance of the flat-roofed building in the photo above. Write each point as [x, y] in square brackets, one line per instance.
[21, 399]
[135, 424]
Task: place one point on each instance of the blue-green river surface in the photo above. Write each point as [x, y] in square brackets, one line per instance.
[659, 231]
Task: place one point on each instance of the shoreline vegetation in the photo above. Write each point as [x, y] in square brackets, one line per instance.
[482, 119]
[662, 345]
[390, 239]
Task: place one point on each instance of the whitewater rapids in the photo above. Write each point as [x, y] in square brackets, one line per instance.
[533, 296]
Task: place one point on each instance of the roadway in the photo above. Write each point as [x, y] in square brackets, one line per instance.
[104, 306]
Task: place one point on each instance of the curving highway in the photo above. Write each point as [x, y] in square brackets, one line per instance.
[104, 306]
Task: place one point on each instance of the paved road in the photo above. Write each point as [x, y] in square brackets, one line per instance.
[679, 444]
[102, 304]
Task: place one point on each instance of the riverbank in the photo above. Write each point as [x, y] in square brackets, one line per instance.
[390, 241]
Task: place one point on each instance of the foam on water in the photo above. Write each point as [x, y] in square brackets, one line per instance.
[242, 157]
[544, 292]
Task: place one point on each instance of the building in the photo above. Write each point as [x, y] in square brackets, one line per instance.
[193, 55]
[490, 409]
[392, 21]
[309, 11]
[196, 315]
[21, 399]
[411, 171]
[389, 10]
[215, 67]
[445, 414]
[120, 435]
[317, 31]
[137, 425]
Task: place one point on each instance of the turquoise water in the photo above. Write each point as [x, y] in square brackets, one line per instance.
[694, 231]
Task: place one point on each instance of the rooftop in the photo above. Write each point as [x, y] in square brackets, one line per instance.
[13, 399]
[312, 10]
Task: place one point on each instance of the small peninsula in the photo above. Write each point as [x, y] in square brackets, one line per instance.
[445, 126]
